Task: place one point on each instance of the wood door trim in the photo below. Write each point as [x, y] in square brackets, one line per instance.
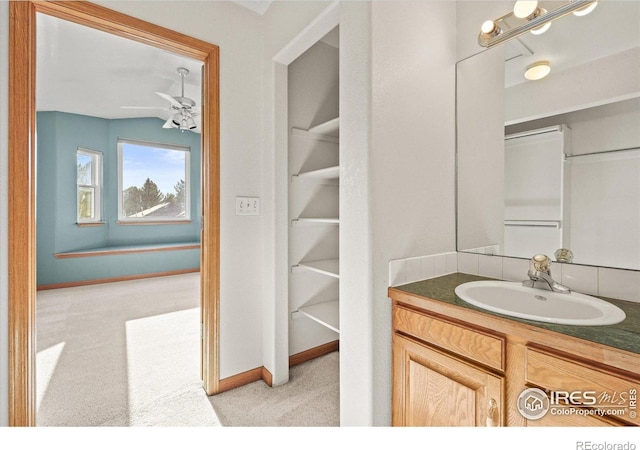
[22, 237]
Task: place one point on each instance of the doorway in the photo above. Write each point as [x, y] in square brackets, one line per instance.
[22, 202]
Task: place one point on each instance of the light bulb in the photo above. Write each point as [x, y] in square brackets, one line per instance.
[541, 29]
[488, 26]
[586, 10]
[524, 8]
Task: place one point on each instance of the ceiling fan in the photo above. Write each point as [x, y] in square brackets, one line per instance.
[183, 108]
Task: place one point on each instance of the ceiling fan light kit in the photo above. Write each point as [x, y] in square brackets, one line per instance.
[183, 108]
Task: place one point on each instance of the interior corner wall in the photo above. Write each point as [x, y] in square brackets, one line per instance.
[59, 135]
[397, 113]
[4, 214]
[356, 253]
[412, 161]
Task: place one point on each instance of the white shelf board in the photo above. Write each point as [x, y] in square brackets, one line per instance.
[315, 136]
[325, 313]
[315, 220]
[328, 173]
[328, 267]
[330, 127]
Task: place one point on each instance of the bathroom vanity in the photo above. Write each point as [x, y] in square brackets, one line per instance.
[455, 364]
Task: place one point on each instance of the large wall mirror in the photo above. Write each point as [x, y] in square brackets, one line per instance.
[554, 163]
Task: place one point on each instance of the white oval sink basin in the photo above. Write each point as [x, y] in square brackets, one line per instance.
[516, 300]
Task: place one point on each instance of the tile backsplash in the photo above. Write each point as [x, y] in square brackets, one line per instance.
[614, 283]
[408, 270]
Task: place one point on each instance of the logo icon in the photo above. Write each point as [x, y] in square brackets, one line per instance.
[533, 403]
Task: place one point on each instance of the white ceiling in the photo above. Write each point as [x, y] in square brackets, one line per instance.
[259, 6]
[84, 71]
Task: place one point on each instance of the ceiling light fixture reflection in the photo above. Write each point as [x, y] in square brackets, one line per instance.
[538, 70]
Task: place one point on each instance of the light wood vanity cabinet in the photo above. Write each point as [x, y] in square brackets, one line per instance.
[453, 366]
[433, 388]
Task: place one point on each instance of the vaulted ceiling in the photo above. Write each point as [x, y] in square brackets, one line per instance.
[90, 72]
[84, 71]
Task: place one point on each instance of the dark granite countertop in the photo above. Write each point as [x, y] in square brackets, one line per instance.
[624, 335]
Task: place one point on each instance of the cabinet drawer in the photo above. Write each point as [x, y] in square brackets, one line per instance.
[466, 342]
[556, 372]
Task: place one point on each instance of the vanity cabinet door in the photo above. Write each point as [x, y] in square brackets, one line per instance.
[432, 388]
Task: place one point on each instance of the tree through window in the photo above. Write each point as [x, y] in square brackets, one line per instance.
[89, 185]
[153, 181]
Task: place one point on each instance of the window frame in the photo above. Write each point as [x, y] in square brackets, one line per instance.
[155, 220]
[97, 186]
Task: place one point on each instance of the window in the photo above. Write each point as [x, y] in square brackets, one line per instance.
[89, 182]
[153, 182]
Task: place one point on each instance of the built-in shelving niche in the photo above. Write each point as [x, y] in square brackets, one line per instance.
[325, 313]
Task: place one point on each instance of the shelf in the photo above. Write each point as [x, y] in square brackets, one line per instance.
[315, 221]
[325, 313]
[329, 128]
[328, 267]
[329, 173]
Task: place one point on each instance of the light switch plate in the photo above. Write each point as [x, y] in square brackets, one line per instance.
[247, 206]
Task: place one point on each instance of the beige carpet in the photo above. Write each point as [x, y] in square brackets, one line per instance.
[127, 354]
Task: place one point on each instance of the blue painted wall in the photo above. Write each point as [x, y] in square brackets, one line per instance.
[58, 137]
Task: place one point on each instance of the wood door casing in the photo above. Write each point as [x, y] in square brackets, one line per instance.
[21, 248]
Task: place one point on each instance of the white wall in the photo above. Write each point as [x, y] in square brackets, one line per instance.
[4, 182]
[238, 33]
[356, 252]
[397, 179]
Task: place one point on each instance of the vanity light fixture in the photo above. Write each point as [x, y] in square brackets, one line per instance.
[537, 71]
[537, 20]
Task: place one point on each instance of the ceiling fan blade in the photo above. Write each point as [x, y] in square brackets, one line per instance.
[168, 123]
[170, 99]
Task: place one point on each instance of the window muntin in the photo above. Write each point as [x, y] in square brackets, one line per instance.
[89, 185]
[153, 182]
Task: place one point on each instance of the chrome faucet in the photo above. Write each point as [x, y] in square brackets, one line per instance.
[540, 276]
